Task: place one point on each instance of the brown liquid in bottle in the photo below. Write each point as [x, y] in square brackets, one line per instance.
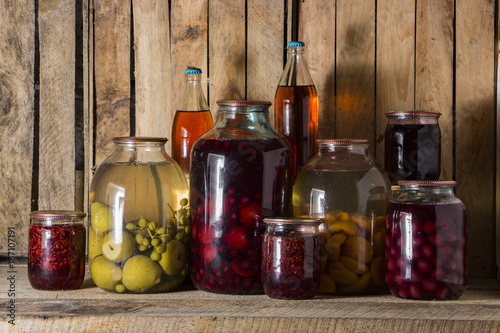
[188, 126]
[296, 117]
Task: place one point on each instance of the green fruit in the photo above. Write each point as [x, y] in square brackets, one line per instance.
[155, 242]
[105, 273]
[143, 222]
[140, 273]
[95, 244]
[143, 248]
[184, 202]
[173, 260]
[155, 256]
[139, 238]
[130, 226]
[118, 246]
[152, 226]
[100, 216]
[120, 288]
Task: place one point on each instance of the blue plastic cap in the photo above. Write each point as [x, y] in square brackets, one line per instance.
[192, 70]
[294, 44]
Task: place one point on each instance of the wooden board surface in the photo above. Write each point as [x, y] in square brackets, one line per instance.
[17, 90]
[56, 177]
[187, 310]
[475, 167]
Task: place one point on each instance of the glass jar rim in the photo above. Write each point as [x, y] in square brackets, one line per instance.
[342, 142]
[243, 103]
[291, 220]
[427, 183]
[139, 139]
[412, 113]
[57, 214]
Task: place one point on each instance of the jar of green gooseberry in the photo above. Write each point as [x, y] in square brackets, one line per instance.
[140, 222]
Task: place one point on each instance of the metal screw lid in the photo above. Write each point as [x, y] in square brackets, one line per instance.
[427, 183]
[192, 70]
[412, 113]
[295, 44]
[57, 214]
[290, 220]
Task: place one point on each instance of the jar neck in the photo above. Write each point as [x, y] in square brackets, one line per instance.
[412, 120]
[423, 193]
[139, 152]
[342, 150]
[292, 230]
[243, 117]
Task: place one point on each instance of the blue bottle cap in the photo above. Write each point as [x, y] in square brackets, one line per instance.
[192, 70]
[294, 44]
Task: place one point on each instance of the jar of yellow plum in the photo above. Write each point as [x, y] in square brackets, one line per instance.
[348, 190]
[139, 219]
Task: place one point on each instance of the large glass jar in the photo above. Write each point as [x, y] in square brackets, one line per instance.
[241, 172]
[139, 219]
[412, 145]
[426, 241]
[348, 190]
[56, 257]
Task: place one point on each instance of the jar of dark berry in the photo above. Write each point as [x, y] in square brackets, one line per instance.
[56, 257]
[241, 171]
[426, 241]
[291, 258]
[412, 145]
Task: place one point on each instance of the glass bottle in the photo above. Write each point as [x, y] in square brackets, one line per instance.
[139, 219]
[348, 190]
[426, 257]
[296, 106]
[291, 258]
[412, 145]
[56, 258]
[242, 171]
[192, 119]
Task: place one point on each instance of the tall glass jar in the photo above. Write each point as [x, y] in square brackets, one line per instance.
[241, 172]
[412, 145]
[426, 241]
[139, 219]
[56, 257]
[348, 190]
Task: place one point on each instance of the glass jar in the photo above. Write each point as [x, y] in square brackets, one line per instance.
[56, 257]
[291, 258]
[241, 172]
[426, 241]
[412, 145]
[348, 190]
[139, 219]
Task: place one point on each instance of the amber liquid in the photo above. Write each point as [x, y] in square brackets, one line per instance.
[187, 128]
[296, 117]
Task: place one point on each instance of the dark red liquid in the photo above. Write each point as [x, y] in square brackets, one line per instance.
[234, 185]
[426, 250]
[290, 266]
[56, 256]
[296, 117]
[413, 152]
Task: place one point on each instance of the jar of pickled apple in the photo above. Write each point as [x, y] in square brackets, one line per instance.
[426, 241]
[241, 172]
[140, 225]
[348, 190]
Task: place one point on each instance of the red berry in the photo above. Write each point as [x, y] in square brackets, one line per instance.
[238, 238]
[429, 227]
[249, 215]
[206, 235]
[244, 267]
[208, 253]
[415, 291]
[424, 266]
[429, 285]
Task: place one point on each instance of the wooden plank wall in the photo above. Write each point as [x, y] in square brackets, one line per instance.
[366, 58]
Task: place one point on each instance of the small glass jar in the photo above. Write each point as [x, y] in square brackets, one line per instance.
[426, 241]
[412, 145]
[348, 190]
[140, 223]
[291, 258]
[56, 258]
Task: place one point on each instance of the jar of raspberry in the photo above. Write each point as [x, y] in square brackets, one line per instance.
[426, 241]
[56, 258]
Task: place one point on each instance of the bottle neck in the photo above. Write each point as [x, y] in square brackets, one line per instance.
[192, 98]
[296, 72]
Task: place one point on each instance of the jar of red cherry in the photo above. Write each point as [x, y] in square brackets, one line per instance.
[56, 258]
[426, 241]
[291, 258]
[241, 171]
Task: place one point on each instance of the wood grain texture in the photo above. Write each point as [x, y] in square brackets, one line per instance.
[56, 26]
[317, 31]
[88, 97]
[497, 112]
[189, 43]
[227, 51]
[475, 128]
[111, 48]
[355, 81]
[265, 45]
[17, 58]
[395, 62]
[434, 70]
[154, 111]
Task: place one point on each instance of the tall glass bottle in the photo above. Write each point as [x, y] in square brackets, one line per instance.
[192, 119]
[296, 106]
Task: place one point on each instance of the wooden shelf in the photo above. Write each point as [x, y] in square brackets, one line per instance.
[188, 310]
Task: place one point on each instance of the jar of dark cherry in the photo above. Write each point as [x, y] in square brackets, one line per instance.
[291, 258]
[56, 258]
[412, 145]
[426, 241]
